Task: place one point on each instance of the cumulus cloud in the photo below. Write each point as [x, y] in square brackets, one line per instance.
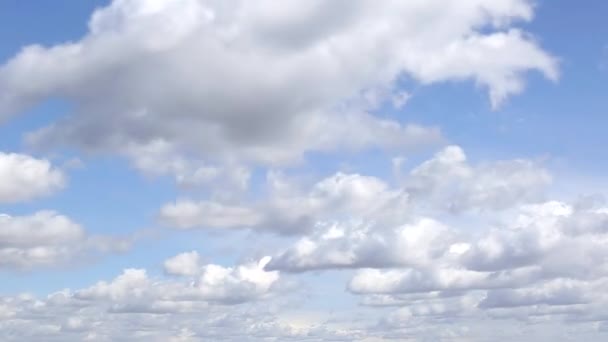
[290, 210]
[25, 178]
[445, 182]
[363, 245]
[135, 291]
[213, 92]
[414, 242]
[210, 303]
[534, 243]
[61, 316]
[47, 238]
[194, 75]
[529, 256]
[184, 264]
[449, 180]
[532, 261]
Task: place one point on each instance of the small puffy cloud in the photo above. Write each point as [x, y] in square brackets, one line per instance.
[135, 291]
[47, 238]
[44, 238]
[238, 284]
[184, 264]
[25, 178]
[130, 284]
[61, 317]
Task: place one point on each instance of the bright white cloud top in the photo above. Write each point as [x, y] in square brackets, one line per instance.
[258, 115]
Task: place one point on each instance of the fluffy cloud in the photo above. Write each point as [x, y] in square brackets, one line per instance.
[236, 284]
[363, 245]
[62, 317]
[47, 238]
[184, 264]
[445, 182]
[529, 257]
[289, 210]
[527, 253]
[533, 243]
[137, 306]
[532, 262]
[24, 177]
[424, 268]
[450, 181]
[134, 290]
[214, 92]
[264, 83]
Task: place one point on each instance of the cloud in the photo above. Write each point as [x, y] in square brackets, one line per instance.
[264, 83]
[215, 303]
[357, 246]
[212, 283]
[449, 180]
[534, 260]
[47, 238]
[445, 182]
[25, 178]
[527, 257]
[184, 264]
[62, 317]
[289, 210]
[503, 246]
[555, 293]
[214, 93]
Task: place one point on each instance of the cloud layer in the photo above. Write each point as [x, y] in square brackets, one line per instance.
[240, 102]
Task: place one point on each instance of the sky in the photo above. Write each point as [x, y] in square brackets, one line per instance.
[348, 170]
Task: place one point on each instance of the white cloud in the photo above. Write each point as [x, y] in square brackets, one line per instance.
[207, 91]
[135, 290]
[532, 262]
[446, 181]
[360, 245]
[290, 210]
[238, 284]
[184, 264]
[450, 181]
[528, 252]
[47, 238]
[526, 256]
[264, 83]
[186, 214]
[137, 306]
[25, 178]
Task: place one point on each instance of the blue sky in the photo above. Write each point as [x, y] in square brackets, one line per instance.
[253, 159]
